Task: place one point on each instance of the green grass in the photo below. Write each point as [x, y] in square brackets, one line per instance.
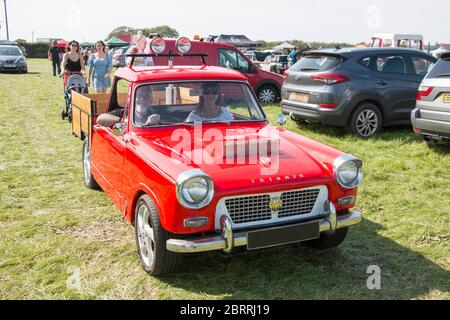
[51, 225]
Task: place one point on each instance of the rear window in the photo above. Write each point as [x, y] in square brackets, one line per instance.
[316, 63]
[440, 69]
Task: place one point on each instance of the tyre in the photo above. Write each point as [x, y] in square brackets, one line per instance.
[267, 94]
[88, 178]
[151, 240]
[328, 240]
[366, 121]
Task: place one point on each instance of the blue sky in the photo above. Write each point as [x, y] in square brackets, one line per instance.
[318, 20]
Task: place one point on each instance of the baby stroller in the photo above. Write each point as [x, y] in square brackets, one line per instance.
[75, 82]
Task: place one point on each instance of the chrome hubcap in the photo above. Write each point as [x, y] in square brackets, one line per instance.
[267, 96]
[367, 123]
[87, 162]
[146, 238]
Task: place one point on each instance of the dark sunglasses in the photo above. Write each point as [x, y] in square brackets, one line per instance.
[74, 45]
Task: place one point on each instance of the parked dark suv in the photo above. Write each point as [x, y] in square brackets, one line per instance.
[361, 89]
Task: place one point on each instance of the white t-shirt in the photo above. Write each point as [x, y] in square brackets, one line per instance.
[224, 115]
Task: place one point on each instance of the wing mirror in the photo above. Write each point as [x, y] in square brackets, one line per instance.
[282, 120]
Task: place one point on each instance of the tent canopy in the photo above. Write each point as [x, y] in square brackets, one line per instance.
[284, 46]
[87, 44]
[62, 43]
[236, 40]
[116, 42]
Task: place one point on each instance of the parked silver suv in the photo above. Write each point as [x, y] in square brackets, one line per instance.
[431, 118]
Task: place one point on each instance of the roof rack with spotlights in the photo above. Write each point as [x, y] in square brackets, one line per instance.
[158, 46]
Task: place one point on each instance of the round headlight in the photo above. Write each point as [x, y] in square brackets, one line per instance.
[348, 170]
[195, 189]
[158, 45]
[183, 45]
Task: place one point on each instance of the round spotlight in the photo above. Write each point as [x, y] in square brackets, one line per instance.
[183, 45]
[158, 45]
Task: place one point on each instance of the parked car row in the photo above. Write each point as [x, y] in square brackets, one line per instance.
[367, 89]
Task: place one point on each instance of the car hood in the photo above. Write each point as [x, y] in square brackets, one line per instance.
[177, 151]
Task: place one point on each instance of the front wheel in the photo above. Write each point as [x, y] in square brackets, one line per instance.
[267, 94]
[151, 240]
[89, 180]
[328, 240]
[366, 121]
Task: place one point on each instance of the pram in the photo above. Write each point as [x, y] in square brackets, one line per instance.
[75, 82]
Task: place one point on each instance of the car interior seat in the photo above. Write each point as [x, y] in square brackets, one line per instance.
[394, 65]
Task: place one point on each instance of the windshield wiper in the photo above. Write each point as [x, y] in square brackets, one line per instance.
[166, 124]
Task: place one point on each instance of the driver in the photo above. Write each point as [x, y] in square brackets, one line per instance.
[210, 108]
[143, 112]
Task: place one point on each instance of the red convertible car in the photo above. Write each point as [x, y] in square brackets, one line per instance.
[193, 163]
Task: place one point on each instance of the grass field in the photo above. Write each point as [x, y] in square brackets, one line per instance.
[61, 240]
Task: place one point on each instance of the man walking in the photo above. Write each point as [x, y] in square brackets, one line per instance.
[53, 56]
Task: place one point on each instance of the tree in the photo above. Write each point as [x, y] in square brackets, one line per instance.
[21, 42]
[121, 30]
[164, 31]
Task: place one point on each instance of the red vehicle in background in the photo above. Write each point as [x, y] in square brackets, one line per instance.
[267, 85]
[216, 184]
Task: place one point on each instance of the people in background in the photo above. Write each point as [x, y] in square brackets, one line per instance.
[86, 54]
[293, 57]
[100, 66]
[72, 60]
[53, 56]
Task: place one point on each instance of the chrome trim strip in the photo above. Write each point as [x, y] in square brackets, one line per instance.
[240, 238]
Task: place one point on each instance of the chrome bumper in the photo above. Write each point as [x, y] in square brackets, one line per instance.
[230, 240]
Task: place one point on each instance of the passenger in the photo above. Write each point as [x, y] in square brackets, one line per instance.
[210, 108]
[100, 66]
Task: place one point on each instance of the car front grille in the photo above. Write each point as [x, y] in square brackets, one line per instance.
[249, 209]
[298, 202]
[257, 208]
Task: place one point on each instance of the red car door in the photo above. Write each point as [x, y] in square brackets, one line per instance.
[108, 151]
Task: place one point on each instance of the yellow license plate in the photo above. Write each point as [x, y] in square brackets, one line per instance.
[300, 97]
[446, 98]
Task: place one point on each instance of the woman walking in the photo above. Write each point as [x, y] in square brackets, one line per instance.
[100, 66]
[72, 61]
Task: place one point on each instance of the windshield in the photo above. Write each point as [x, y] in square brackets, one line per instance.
[316, 63]
[191, 102]
[10, 51]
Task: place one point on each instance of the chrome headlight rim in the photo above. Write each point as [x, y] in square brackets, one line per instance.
[342, 160]
[187, 176]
